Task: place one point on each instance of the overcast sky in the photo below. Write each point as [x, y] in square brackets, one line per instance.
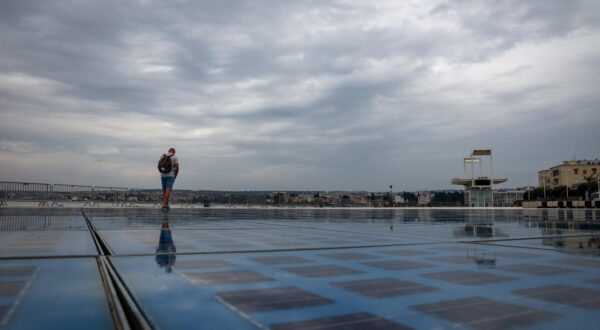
[295, 95]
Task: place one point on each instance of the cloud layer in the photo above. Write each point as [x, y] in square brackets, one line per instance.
[269, 95]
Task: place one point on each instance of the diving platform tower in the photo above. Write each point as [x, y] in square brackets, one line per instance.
[479, 190]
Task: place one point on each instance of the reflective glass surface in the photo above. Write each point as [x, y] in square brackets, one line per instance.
[34, 234]
[312, 268]
[55, 293]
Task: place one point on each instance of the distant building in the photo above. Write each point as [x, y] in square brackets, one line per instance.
[361, 200]
[569, 173]
[300, 199]
[278, 198]
[399, 199]
[377, 200]
[346, 200]
[424, 198]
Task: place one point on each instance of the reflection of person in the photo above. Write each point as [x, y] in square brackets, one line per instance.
[166, 246]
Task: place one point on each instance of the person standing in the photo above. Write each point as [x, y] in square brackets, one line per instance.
[168, 166]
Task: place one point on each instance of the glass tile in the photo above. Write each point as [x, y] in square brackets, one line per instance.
[343, 322]
[63, 293]
[53, 243]
[397, 264]
[348, 256]
[321, 271]
[467, 277]
[270, 299]
[281, 260]
[228, 277]
[203, 264]
[385, 287]
[532, 269]
[565, 294]
[482, 313]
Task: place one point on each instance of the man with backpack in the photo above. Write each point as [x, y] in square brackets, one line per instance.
[168, 166]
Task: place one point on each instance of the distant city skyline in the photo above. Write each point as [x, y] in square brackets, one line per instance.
[274, 95]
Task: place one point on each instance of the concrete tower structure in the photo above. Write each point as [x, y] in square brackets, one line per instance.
[479, 190]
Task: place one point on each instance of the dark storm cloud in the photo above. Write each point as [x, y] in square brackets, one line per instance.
[300, 95]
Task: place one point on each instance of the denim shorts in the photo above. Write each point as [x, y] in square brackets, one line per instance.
[167, 182]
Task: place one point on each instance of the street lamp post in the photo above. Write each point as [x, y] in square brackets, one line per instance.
[544, 186]
[492, 177]
[567, 185]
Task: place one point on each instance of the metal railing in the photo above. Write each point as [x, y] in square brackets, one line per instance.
[118, 195]
[73, 188]
[36, 222]
[46, 194]
[38, 190]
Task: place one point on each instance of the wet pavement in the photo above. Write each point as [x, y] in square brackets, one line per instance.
[73, 268]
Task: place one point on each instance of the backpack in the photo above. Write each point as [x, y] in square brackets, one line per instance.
[164, 164]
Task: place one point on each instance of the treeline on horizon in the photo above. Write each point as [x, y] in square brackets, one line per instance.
[241, 197]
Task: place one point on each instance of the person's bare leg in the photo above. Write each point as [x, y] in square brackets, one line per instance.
[166, 196]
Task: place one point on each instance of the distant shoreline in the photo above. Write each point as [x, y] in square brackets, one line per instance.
[105, 205]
